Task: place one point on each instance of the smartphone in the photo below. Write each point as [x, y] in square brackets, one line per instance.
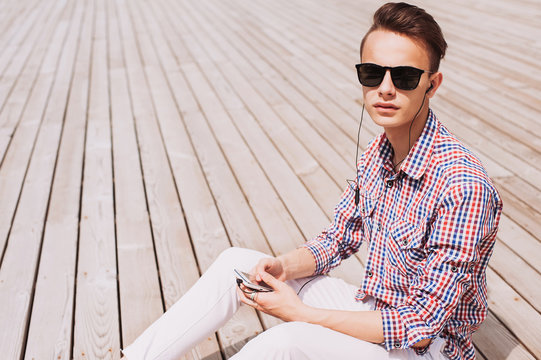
[248, 281]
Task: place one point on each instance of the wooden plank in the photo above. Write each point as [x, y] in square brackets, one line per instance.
[242, 228]
[231, 100]
[15, 33]
[50, 329]
[526, 98]
[21, 257]
[271, 215]
[27, 94]
[479, 355]
[463, 115]
[20, 69]
[254, 183]
[521, 189]
[143, 108]
[96, 328]
[14, 98]
[495, 341]
[176, 260]
[523, 243]
[480, 51]
[298, 98]
[304, 165]
[237, 111]
[469, 37]
[139, 287]
[514, 313]
[526, 216]
[508, 79]
[293, 191]
[524, 279]
[294, 88]
[303, 113]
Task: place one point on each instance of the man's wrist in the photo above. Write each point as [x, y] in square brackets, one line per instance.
[297, 263]
[283, 263]
[306, 314]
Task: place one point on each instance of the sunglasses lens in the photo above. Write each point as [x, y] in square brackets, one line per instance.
[406, 77]
[370, 74]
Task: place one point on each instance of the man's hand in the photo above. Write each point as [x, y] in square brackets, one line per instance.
[282, 303]
[271, 266]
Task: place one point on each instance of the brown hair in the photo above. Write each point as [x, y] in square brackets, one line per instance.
[413, 22]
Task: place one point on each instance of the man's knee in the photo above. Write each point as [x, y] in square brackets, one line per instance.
[236, 257]
[233, 255]
[230, 254]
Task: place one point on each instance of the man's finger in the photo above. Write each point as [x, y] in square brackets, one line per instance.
[270, 280]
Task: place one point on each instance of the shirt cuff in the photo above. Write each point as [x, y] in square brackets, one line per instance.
[394, 332]
[321, 256]
[399, 336]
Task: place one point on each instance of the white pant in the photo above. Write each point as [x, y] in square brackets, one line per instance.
[213, 300]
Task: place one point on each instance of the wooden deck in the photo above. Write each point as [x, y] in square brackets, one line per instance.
[138, 139]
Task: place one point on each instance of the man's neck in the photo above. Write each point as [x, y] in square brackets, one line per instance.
[402, 140]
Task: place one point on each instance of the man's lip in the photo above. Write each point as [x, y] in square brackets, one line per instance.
[386, 106]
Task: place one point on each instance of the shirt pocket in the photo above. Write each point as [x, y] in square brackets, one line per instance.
[405, 250]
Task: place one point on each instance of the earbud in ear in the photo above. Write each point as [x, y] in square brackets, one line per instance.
[430, 88]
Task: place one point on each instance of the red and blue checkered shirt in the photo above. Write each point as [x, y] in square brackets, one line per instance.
[430, 229]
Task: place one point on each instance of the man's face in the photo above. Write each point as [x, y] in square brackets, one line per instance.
[388, 106]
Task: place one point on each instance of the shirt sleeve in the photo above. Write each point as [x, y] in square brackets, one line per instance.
[459, 246]
[341, 238]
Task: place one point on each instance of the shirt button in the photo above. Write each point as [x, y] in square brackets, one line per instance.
[454, 269]
[369, 273]
[405, 242]
[389, 184]
[397, 345]
[379, 227]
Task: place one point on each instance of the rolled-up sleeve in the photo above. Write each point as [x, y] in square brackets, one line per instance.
[459, 245]
[341, 238]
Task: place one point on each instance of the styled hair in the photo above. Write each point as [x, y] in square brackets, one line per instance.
[413, 22]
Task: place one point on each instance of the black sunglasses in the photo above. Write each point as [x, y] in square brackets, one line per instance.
[404, 77]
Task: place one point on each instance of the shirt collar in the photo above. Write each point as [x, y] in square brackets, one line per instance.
[418, 159]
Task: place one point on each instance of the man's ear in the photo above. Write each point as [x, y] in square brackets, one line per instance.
[435, 83]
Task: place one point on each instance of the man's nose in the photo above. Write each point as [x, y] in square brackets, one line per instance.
[387, 87]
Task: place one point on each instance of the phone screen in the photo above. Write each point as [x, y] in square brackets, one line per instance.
[249, 281]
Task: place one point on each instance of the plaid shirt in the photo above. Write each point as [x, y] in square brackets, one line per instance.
[430, 230]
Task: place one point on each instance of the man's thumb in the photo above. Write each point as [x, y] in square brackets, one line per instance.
[270, 280]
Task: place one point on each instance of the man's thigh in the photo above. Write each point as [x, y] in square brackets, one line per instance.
[329, 293]
[299, 341]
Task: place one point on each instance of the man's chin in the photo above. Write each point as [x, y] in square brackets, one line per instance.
[388, 121]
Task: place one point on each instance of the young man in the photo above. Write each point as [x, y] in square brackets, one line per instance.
[422, 202]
